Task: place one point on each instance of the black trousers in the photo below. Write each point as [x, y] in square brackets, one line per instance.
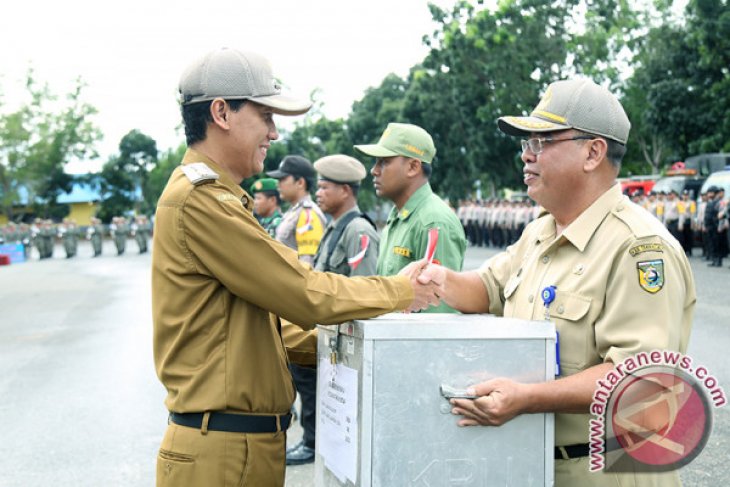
[305, 378]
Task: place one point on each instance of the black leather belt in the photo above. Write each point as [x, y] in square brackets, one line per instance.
[234, 423]
[572, 451]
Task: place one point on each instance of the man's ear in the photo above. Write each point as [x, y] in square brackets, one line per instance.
[414, 167]
[219, 112]
[597, 150]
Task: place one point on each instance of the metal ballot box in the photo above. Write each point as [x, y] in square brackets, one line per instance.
[383, 421]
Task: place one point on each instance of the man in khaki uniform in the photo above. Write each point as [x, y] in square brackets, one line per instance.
[217, 343]
[623, 284]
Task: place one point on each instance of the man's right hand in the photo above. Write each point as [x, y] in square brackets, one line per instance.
[426, 292]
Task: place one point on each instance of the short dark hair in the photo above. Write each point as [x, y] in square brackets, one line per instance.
[427, 169]
[196, 118]
[308, 182]
[615, 150]
[272, 194]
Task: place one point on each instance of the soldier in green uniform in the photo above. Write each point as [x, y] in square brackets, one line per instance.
[609, 275]
[47, 236]
[95, 233]
[217, 317]
[404, 155]
[140, 232]
[266, 204]
[25, 236]
[69, 234]
[119, 230]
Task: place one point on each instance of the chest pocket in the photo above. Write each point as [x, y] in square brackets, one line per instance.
[570, 311]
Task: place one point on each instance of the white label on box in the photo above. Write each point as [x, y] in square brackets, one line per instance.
[337, 439]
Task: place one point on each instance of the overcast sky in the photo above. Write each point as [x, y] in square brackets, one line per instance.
[131, 53]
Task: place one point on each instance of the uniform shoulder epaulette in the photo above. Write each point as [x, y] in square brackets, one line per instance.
[307, 204]
[199, 173]
[640, 222]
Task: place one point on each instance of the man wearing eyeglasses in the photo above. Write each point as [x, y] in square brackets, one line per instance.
[620, 283]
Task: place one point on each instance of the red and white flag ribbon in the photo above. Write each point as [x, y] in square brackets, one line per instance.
[433, 238]
[355, 260]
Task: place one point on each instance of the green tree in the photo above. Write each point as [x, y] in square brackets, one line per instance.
[37, 142]
[160, 173]
[138, 155]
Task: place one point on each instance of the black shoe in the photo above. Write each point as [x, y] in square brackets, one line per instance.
[300, 455]
[294, 447]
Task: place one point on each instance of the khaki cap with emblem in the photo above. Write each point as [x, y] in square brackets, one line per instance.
[236, 75]
[264, 185]
[340, 169]
[402, 139]
[573, 104]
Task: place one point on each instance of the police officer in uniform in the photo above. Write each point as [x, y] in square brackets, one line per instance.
[217, 343]
[349, 247]
[266, 204]
[622, 283]
[302, 226]
[404, 155]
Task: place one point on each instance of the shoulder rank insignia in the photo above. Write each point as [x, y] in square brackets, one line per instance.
[651, 275]
[199, 173]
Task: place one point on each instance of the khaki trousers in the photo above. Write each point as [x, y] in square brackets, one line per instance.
[189, 457]
[575, 473]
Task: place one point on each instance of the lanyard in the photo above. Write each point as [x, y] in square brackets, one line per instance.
[548, 296]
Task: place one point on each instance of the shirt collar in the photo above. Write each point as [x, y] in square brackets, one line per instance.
[582, 229]
[416, 200]
[334, 222]
[191, 156]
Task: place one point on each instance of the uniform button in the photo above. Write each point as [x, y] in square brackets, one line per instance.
[619, 207]
[530, 298]
[561, 309]
[545, 259]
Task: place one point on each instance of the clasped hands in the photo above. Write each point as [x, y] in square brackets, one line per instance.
[427, 280]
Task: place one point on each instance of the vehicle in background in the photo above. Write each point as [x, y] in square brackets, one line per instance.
[706, 164]
[638, 184]
[721, 179]
[678, 179]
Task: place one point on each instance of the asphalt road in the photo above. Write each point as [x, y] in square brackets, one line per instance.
[81, 405]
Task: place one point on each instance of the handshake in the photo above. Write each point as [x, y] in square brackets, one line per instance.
[428, 282]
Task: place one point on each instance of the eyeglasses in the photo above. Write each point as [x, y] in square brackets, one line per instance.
[536, 144]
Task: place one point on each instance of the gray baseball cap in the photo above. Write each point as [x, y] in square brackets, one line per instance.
[237, 75]
[573, 104]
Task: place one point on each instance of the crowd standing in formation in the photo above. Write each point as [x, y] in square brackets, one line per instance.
[496, 222]
[43, 235]
[700, 223]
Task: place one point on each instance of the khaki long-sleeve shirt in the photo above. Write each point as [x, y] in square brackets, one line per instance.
[624, 286]
[219, 284]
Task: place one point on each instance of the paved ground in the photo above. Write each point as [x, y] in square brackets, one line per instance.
[80, 402]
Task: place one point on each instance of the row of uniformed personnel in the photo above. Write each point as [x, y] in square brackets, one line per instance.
[44, 234]
[496, 222]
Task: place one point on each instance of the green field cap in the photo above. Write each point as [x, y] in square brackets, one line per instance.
[573, 104]
[264, 184]
[402, 139]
